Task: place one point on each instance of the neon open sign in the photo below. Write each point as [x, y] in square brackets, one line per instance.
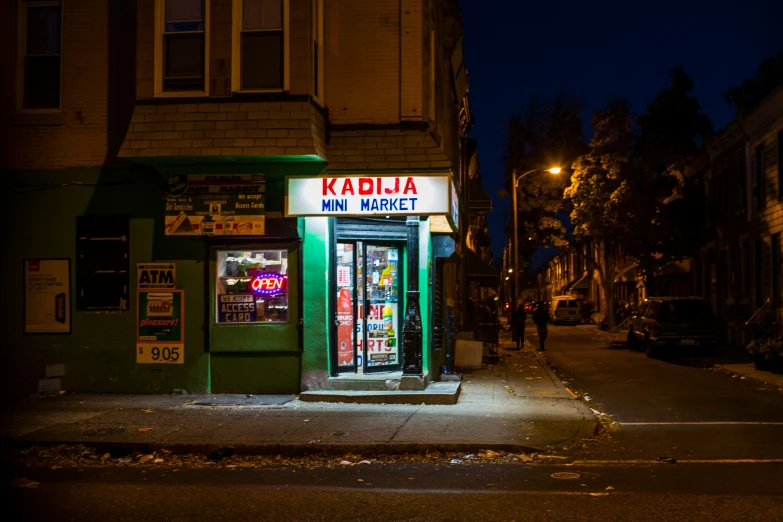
[269, 284]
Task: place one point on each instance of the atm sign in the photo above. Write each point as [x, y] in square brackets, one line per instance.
[269, 284]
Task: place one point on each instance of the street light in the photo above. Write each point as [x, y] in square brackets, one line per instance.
[515, 239]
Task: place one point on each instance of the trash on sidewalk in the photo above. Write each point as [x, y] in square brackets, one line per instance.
[144, 430]
[668, 460]
[314, 441]
[488, 454]
[147, 410]
[145, 459]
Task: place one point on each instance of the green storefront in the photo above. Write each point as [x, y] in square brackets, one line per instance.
[291, 298]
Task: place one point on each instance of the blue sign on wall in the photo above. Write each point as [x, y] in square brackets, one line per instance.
[237, 308]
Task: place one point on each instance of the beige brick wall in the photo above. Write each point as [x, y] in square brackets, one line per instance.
[77, 136]
[411, 56]
[145, 49]
[362, 61]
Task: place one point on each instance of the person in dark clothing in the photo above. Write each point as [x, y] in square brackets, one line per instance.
[518, 325]
[542, 318]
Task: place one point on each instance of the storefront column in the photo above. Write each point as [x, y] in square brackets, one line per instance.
[411, 329]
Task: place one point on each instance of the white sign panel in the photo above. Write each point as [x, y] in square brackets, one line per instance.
[155, 275]
[47, 299]
[368, 196]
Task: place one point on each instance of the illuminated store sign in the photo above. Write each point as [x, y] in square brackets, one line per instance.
[269, 284]
[365, 195]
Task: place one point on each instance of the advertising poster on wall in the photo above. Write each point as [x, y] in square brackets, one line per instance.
[160, 327]
[47, 300]
[216, 205]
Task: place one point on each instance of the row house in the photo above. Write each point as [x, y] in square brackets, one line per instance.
[740, 267]
[232, 195]
[480, 278]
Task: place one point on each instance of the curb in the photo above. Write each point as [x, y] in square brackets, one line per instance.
[287, 450]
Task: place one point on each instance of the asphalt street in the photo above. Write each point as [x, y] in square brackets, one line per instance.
[418, 492]
[684, 443]
[666, 408]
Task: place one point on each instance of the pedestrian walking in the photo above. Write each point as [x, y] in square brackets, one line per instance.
[518, 326]
[542, 318]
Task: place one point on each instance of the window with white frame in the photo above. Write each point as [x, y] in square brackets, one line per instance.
[259, 45]
[318, 50]
[181, 46]
[40, 60]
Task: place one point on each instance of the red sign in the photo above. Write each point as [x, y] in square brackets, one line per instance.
[269, 284]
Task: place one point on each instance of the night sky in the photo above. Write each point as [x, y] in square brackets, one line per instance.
[515, 49]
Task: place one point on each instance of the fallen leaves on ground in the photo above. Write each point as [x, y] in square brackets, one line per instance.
[77, 456]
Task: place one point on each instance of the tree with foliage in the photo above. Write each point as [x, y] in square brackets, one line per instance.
[546, 133]
[599, 192]
[744, 97]
[671, 133]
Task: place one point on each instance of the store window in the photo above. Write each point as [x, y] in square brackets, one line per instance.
[252, 286]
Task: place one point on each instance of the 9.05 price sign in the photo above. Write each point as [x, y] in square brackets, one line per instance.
[160, 327]
[160, 353]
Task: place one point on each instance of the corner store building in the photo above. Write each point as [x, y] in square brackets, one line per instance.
[99, 165]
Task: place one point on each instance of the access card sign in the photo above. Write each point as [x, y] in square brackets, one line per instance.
[369, 196]
[160, 327]
[155, 275]
[237, 308]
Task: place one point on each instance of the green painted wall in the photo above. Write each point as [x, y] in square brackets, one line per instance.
[316, 331]
[425, 255]
[99, 353]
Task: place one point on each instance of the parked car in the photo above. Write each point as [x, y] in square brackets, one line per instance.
[674, 323]
[565, 310]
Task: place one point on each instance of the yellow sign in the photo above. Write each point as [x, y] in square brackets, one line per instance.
[160, 353]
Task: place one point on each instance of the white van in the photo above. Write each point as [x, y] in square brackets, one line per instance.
[565, 309]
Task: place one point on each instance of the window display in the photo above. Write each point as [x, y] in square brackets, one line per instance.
[252, 286]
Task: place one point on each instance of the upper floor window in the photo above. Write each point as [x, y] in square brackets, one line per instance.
[40, 43]
[181, 43]
[259, 45]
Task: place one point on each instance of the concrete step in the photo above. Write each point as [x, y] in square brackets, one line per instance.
[435, 393]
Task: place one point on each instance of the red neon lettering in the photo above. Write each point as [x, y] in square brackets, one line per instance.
[365, 186]
[347, 187]
[328, 186]
[409, 186]
[267, 283]
[396, 188]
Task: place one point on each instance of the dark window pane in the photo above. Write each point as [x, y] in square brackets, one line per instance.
[43, 30]
[262, 14]
[262, 61]
[42, 82]
[184, 15]
[183, 68]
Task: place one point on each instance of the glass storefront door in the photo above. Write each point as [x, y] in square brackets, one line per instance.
[369, 308]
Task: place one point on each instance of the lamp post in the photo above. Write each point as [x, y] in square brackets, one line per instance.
[515, 239]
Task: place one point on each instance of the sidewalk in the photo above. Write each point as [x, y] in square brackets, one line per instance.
[515, 405]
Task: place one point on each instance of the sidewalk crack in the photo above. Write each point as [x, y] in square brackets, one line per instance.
[397, 432]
